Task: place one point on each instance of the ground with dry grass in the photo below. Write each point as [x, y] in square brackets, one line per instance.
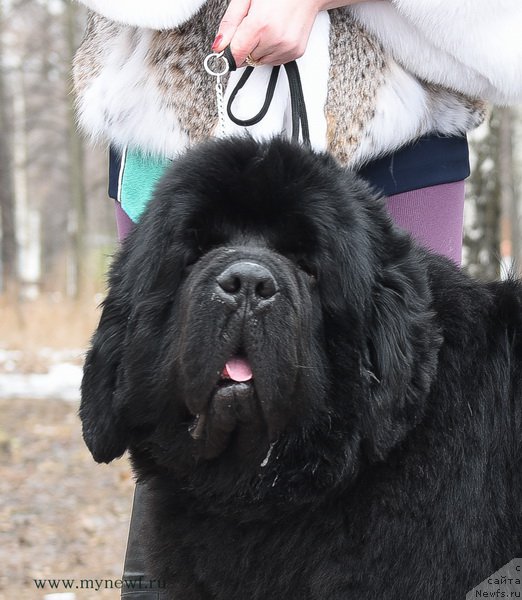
[48, 322]
[61, 515]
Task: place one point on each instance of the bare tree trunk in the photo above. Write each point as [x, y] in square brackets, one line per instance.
[77, 222]
[9, 250]
[482, 238]
[510, 224]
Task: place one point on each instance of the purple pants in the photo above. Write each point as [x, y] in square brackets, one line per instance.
[432, 215]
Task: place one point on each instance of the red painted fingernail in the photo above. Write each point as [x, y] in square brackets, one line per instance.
[217, 42]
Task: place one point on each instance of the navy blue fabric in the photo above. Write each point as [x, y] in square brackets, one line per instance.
[431, 160]
[114, 172]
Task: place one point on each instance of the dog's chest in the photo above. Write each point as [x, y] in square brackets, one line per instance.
[222, 559]
[382, 545]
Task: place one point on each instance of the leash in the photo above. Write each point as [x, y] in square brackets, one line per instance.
[297, 102]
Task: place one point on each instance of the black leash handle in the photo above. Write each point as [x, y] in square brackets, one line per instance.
[299, 114]
[266, 104]
[298, 106]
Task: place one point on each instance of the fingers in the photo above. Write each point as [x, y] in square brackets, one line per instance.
[246, 41]
[237, 10]
[266, 40]
[270, 31]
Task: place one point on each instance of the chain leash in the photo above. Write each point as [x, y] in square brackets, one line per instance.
[211, 65]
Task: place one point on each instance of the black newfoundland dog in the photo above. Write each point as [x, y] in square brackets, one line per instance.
[320, 409]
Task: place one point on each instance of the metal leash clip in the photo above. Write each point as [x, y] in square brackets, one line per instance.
[212, 69]
[300, 128]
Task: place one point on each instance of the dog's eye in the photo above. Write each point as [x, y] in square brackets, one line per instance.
[303, 263]
[308, 268]
[190, 261]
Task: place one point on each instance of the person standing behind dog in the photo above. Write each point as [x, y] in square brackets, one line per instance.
[391, 88]
[378, 76]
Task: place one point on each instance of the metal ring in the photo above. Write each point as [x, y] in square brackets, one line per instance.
[216, 55]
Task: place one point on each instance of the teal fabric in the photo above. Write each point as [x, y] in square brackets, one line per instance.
[138, 177]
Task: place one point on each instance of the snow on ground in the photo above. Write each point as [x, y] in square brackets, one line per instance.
[54, 374]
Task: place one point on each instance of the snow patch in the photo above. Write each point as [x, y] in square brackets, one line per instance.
[61, 382]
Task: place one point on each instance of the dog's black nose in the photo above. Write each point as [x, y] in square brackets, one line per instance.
[247, 279]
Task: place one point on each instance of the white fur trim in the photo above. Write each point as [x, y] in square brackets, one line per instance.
[405, 111]
[314, 67]
[155, 14]
[122, 103]
[472, 46]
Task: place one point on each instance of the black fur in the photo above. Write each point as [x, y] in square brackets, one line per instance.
[377, 454]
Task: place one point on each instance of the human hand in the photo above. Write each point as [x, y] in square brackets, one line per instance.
[270, 32]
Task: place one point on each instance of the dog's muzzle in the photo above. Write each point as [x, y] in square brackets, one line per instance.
[237, 307]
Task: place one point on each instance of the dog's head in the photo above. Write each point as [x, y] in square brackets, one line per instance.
[265, 322]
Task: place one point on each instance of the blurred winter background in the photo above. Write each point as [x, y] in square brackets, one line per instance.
[62, 516]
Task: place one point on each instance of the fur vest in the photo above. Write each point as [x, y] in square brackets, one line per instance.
[372, 80]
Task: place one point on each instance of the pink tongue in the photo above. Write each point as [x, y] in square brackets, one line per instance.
[238, 369]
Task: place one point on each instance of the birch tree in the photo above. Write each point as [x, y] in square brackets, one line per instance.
[8, 263]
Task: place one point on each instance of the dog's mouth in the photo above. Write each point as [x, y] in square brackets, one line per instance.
[232, 402]
[236, 370]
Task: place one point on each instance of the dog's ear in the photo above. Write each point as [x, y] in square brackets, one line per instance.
[104, 429]
[400, 353]
[148, 261]
[378, 306]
